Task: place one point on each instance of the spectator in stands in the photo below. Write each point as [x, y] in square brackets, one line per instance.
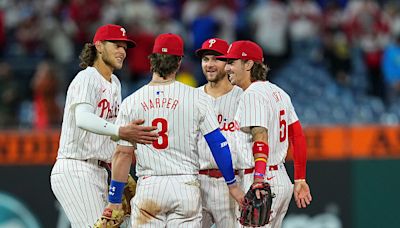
[368, 31]
[84, 14]
[304, 28]
[9, 97]
[335, 44]
[269, 21]
[47, 112]
[137, 58]
[391, 68]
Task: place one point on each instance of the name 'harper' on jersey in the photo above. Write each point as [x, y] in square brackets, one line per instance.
[169, 103]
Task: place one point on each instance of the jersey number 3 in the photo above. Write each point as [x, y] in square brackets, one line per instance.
[282, 126]
[162, 141]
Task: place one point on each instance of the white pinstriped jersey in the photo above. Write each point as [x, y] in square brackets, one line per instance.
[89, 87]
[180, 112]
[225, 107]
[265, 104]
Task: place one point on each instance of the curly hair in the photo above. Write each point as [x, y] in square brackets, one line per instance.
[259, 71]
[164, 64]
[88, 55]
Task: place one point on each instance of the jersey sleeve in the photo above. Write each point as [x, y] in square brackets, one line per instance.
[208, 120]
[252, 111]
[124, 117]
[84, 89]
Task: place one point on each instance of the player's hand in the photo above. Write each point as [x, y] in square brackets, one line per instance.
[114, 206]
[302, 194]
[237, 193]
[258, 192]
[135, 133]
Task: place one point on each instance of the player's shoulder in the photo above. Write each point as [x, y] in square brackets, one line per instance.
[115, 79]
[237, 91]
[85, 75]
[138, 93]
[201, 88]
[275, 87]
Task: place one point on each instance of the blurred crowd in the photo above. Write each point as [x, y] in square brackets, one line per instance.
[40, 42]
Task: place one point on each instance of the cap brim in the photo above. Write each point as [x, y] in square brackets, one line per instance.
[225, 57]
[130, 43]
[200, 52]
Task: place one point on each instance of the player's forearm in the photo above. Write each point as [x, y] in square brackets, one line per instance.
[298, 141]
[121, 164]
[87, 120]
[222, 155]
[260, 151]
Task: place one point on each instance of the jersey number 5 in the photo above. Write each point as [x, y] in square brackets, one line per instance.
[282, 126]
[162, 141]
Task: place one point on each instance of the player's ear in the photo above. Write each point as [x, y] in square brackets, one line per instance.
[99, 46]
[248, 65]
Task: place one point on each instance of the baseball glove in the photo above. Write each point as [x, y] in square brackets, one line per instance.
[256, 212]
[129, 193]
[111, 218]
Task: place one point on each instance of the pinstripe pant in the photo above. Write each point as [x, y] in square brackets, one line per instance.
[218, 206]
[167, 201]
[283, 189]
[81, 188]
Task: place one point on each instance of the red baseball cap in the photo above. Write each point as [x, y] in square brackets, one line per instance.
[168, 43]
[112, 32]
[244, 49]
[217, 45]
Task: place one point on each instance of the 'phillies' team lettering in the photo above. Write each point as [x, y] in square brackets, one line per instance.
[111, 112]
[227, 126]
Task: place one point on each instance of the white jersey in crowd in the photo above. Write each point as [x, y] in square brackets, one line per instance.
[89, 87]
[265, 104]
[180, 112]
[225, 107]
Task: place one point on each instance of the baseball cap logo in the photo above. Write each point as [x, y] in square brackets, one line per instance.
[244, 54]
[123, 31]
[211, 42]
[164, 49]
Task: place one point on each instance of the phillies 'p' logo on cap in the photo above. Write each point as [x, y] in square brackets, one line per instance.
[211, 42]
[244, 49]
[214, 46]
[112, 32]
[168, 43]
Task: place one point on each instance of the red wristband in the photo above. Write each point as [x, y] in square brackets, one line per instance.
[260, 147]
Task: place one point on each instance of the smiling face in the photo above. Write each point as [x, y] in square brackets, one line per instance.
[113, 53]
[213, 69]
[238, 73]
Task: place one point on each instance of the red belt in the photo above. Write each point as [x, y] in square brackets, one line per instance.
[273, 167]
[215, 173]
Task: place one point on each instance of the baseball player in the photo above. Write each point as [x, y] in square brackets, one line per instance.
[266, 114]
[168, 192]
[218, 206]
[79, 176]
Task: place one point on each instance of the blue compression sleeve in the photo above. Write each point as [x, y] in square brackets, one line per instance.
[222, 155]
